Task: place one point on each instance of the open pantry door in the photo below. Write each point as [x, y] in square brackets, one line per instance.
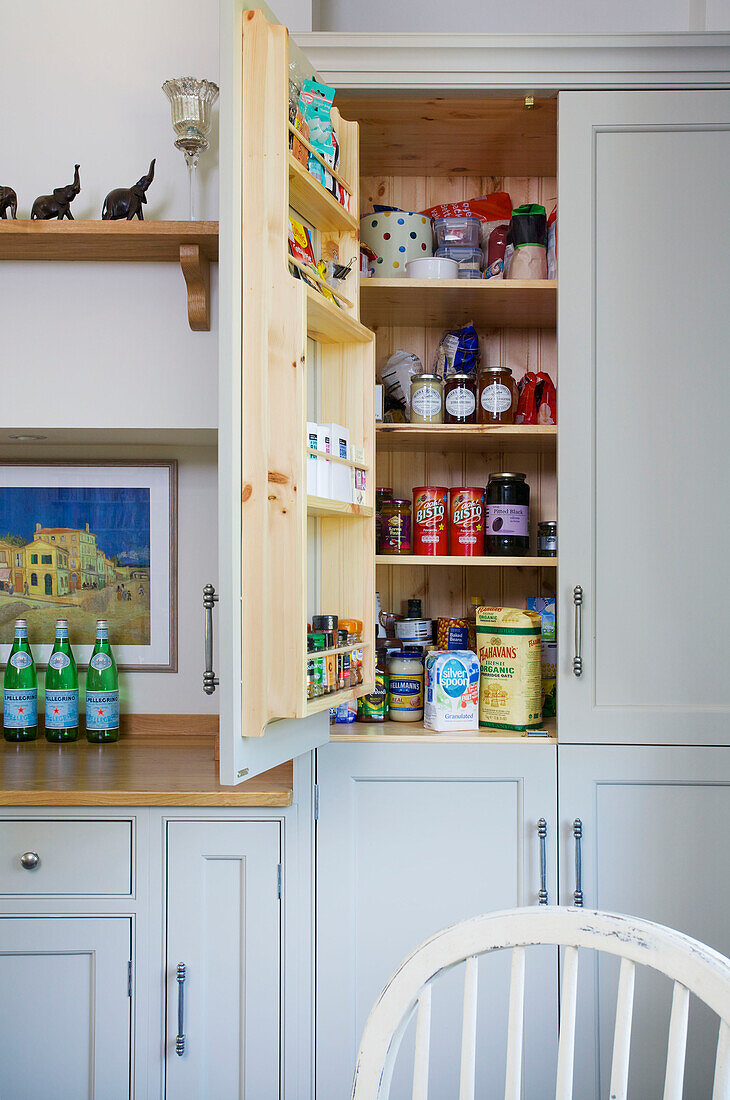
[289, 354]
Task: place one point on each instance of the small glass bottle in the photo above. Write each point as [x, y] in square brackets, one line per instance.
[62, 689]
[427, 399]
[396, 527]
[319, 685]
[460, 399]
[20, 715]
[102, 690]
[497, 396]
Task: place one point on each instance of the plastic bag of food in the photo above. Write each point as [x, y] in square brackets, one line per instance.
[396, 377]
[528, 240]
[526, 412]
[315, 105]
[492, 210]
[552, 244]
[458, 350]
[546, 400]
[495, 252]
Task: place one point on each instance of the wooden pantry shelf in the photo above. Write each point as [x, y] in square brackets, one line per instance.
[458, 563]
[191, 244]
[481, 438]
[320, 208]
[322, 506]
[499, 303]
[326, 702]
[328, 324]
[415, 733]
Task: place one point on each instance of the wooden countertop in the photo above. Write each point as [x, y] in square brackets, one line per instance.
[137, 770]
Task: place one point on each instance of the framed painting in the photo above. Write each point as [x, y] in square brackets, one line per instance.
[88, 541]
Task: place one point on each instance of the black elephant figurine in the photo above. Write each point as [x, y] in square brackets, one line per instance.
[125, 202]
[8, 201]
[57, 205]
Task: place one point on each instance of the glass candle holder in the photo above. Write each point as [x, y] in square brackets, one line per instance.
[191, 102]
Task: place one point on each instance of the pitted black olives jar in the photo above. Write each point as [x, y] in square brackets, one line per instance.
[507, 523]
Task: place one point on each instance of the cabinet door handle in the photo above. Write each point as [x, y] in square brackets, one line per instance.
[180, 1037]
[542, 894]
[578, 836]
[578, 620]
[30, 860]
[210, 680]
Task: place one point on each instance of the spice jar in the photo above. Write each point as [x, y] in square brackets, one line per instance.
[319, 679]
[353, 630]
[328, 626]
[460, 399]
[381, 496]
[427, 399]
[507, 523]
[396, 527]
[405, 690]
[497, 396]
[547, 539]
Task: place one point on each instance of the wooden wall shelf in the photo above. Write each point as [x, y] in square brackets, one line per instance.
[323, 506]
[308, 197]
[494, 303]
[191, 244]
[328, 324]
[479, 438]
[458, 563]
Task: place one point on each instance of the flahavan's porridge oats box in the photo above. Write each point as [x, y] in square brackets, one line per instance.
[509, 650]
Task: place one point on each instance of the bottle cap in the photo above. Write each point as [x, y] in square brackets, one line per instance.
[102, 623]
[21, 622]
[61, 622]
[324, 622]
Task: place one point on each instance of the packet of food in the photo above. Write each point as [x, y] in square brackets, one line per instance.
[492, 210]
[396, 377]
[526, 412]
[300, 243]
[315, 104]
[458, 350]
[547, 400]
[528, 238]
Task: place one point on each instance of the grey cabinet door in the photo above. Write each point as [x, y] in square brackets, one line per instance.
[655, 823]
[643, 337]
[65, 1010]
[409, 839]
[224, 926]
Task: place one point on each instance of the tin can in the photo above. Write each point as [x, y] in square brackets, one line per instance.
[466, 508]
[430, 520]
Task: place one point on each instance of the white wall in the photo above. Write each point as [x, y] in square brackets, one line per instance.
[102, 344]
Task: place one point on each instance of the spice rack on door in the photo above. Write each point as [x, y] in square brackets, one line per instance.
[281, 316]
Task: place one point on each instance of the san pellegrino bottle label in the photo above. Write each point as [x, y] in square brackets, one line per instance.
[21, 707]
[62, 709]
[101, 661]
[102, 710]
[20, 690]
[62, 683]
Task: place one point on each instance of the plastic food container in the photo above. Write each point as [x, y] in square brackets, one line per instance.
[469, 260]
[463, 232]
[432, 268]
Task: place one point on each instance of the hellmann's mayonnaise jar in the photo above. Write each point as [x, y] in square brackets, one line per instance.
[509, 651]
[405, 691]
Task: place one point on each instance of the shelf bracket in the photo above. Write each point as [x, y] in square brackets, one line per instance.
[196, 272]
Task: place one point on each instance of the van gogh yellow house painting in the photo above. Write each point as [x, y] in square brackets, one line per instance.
[80, 554]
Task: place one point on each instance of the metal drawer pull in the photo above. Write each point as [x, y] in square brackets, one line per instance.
[180, 1037]
[30, 860]
[578, 892]
[578, 615]
[542, 896]
[210, 680]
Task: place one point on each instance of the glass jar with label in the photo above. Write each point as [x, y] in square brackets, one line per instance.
[381, 495]
[427, 399]
[395, 536]
[460, 399]
[405, 687]
[507, 521]
[497, 396]
[547, 539]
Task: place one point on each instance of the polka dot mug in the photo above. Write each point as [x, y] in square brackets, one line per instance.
[396, 236]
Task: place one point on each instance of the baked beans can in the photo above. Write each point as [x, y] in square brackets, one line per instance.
[466, 508]
[431, 520]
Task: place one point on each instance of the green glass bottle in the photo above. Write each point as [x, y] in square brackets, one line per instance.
[102, 690]
[62, 689]
[20, 697]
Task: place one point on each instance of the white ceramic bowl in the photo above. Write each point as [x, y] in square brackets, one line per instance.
[432, 267]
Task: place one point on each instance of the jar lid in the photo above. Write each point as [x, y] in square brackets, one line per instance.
[324, 622]
[400, 503]
[551, 524]
[460, 376]
[495, 370]
[507, 477]
[425, 376]
[382, 489]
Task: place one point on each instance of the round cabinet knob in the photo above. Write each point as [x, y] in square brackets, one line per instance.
[29, 860]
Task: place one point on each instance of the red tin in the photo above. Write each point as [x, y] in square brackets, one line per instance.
[466, 508]
[430, 520]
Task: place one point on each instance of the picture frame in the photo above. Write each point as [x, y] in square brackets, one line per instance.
[87, 541]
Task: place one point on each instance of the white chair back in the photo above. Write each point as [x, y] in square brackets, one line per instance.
[693, 968]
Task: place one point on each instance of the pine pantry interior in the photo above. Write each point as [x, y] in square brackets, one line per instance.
[345, 470]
